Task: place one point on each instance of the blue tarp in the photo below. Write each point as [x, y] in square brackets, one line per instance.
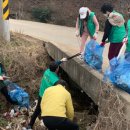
[119, 73]
[17, 94]
[93, 55]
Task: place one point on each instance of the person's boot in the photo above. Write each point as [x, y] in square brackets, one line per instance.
[27, 128]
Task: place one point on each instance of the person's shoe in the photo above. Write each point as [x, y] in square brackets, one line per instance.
[24, 128]
[81, 56]
[28, 128]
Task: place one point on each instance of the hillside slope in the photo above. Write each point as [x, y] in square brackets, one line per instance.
[64, 12]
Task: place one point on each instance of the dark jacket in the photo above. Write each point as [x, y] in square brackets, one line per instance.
[2, 72]
[2, 69]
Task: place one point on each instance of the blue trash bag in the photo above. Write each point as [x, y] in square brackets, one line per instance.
[17, 94]
[119, 74]
[93, 55]
[114, 62]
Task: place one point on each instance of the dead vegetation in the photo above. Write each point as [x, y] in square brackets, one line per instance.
[24, 58]
[112, 111]
[64, 12]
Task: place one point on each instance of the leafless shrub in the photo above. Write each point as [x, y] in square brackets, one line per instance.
[112, 111]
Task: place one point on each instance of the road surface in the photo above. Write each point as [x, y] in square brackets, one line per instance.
[62, 36]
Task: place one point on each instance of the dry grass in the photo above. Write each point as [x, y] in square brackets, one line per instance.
[25, 58]
[112, 111]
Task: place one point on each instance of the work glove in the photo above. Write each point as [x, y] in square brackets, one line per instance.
[102, 44]
[125, 40]
[95, 36]
[5, 77]
[63, 59]
[77, 33]
[1, 78]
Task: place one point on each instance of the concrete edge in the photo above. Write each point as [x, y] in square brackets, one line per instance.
[88, 79]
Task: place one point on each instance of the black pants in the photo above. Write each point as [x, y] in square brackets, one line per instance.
[36, 113]
[4, 91]
[59, 123]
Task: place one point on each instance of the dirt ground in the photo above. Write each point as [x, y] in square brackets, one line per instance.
[25, 60]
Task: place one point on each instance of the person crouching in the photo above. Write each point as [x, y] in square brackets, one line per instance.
[57, 108]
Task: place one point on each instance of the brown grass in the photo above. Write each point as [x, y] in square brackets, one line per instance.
[112, 111]
[24, 58]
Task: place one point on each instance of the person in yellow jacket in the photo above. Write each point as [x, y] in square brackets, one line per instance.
[57, 108]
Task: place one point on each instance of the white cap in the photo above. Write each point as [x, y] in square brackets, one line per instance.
[83, 12]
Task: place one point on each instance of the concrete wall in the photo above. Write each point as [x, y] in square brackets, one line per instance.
[88, 79]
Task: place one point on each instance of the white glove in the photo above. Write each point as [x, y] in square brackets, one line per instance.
[77, 33]
[125, 40]
[95, 36]
[1, 78]
[63, 59]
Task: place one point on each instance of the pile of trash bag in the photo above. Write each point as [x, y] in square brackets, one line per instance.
[93, 55]
[119, 73]
[17, 94]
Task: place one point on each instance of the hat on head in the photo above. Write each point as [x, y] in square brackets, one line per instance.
[116, 19]
[83, 12]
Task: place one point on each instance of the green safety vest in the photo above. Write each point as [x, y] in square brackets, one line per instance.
[49, 79]
[117, 34]
[89, 24]
[128, 44]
